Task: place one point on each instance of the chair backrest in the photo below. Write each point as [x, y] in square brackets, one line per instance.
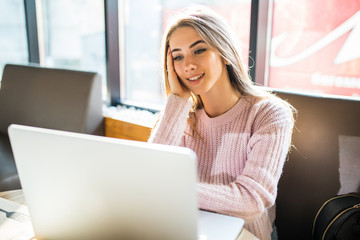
[59, 99]
[311, 174]
[51, 98]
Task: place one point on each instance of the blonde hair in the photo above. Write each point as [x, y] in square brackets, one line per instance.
[214, 30]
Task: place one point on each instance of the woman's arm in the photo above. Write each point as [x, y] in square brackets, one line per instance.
[171, 126]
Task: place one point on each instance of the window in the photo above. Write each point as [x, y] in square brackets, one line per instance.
[315, 46]
[13, 45]
[142, 23]
[73, 35]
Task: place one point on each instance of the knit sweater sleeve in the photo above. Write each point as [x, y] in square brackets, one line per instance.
[255, 189]
[171, 126]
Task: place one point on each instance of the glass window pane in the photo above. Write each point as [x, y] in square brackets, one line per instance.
[315, 46]
[13, 40]
[74, 35]
[143, 24]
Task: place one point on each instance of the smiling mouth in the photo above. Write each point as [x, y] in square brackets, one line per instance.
[196, 77]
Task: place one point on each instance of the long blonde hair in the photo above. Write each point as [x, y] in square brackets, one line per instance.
[214, 30]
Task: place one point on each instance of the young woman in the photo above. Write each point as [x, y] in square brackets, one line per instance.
[241, 134]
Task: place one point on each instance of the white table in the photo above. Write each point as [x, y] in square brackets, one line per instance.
[18, 197]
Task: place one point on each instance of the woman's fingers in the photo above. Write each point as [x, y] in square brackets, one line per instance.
[170, 68]
[176, 86]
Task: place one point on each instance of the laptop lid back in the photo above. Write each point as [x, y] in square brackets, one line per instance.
[80, 186]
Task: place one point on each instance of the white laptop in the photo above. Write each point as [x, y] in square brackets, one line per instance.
[80, 186]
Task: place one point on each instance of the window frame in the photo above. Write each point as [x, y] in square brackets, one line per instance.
[32, 31]
[259, 46]
[260, 40]
[112, 51]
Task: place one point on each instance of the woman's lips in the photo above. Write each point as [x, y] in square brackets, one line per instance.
[195, 79]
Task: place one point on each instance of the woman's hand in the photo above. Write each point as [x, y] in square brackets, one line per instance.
[176, 86]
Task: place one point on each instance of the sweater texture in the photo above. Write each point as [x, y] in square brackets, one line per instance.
[240, 153]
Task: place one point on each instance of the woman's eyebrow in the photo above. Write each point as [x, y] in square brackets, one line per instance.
[196, 43]
[191, 46]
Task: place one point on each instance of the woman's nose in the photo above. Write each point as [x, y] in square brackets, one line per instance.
[190, 65]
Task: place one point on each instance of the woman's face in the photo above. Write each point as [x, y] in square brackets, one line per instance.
[198, 66]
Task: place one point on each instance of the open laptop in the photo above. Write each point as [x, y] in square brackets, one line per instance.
[80, 186]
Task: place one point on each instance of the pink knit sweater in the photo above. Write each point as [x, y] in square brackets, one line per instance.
[240, 155]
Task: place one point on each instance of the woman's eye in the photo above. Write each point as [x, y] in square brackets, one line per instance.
[177, 58]
[200, 50]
